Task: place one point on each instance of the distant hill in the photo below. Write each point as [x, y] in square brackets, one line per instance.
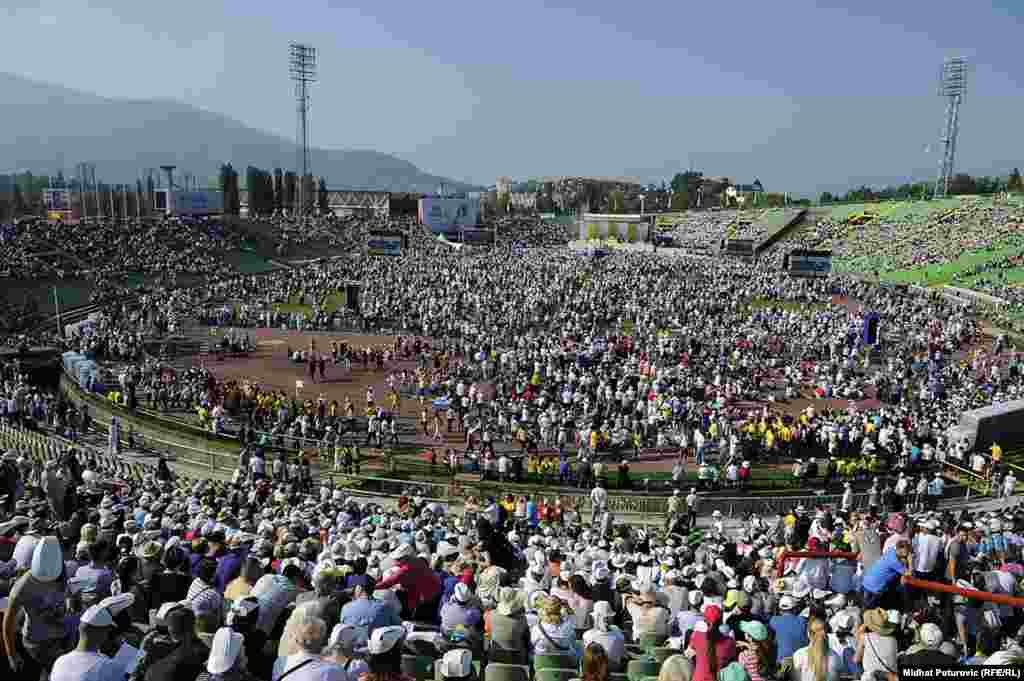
[47, 127]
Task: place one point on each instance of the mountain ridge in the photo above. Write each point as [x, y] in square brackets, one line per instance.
[49, 127]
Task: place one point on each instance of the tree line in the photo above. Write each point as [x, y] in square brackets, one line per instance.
[960, 184]
[272, 193]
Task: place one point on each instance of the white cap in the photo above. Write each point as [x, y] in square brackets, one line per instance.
[930, 635]
[461, 593]
[457, 664]
[696, 597]
[47, 560]
[115, 604]
[403, 552]
[343, 635]
[165, 609]
[224, 651]
[97, 616]
[786, 603]
[385, 638]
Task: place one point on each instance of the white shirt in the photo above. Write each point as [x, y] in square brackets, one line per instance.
[84, 666]
[598, 497]
[24, 549]
[317, 670]
[927, 548]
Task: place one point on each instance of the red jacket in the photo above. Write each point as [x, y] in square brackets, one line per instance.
[418, 581]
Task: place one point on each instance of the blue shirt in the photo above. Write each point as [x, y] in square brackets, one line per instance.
[364, 612]
[883, 572]
[790, 634]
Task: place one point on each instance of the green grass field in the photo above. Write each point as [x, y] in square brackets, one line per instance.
[938, 275]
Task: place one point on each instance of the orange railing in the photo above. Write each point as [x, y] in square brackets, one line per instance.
[923, 584]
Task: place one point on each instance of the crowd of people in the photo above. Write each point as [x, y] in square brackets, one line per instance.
[549, 350]
[531, 346]
[886, 244]
[269, 576]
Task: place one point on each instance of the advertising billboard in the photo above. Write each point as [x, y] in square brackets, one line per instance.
[57, 199]
[202, 202]
[478, 237]
[384, 243]
[801, 263]
[449, 215]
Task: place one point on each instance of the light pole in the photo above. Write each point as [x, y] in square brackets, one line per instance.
[642, 197]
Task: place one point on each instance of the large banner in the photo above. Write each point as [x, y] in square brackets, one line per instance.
[57, 199]
[449, 215]
[801, 263]
[204, 202]
[384, 243]
[629, 230]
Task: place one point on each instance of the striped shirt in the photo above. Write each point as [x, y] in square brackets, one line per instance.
[204, 597]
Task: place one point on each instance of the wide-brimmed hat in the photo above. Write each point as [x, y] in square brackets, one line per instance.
[509, 602]
[224, 651]
[877, 620]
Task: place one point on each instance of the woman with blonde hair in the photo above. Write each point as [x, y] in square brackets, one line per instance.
[676, 668]
[554, 634]
[816, 661]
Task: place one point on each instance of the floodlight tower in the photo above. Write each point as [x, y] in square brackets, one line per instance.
[952, 86]
[302, 67]
[169, 207]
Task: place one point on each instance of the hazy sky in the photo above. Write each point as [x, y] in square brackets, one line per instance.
[803, 95]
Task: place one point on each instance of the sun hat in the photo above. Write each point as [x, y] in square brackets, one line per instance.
[224, 650]
[47, 560]
[343, 636]
[877, 620]
[461, 594]
[754, 629]
[165, 610]
[508, 601]
[403, 552]
[385, 638]
[456, 664]
[97, 616]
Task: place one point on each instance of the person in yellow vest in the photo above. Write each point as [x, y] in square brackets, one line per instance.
[997, 453]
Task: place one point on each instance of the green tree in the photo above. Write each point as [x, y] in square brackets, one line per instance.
[962, 183]
[1015, 183]
[139, 205]
[826, 197]
[18, 202]
[685, 182]
[278, 189]
[679, 201]
[321, 197]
